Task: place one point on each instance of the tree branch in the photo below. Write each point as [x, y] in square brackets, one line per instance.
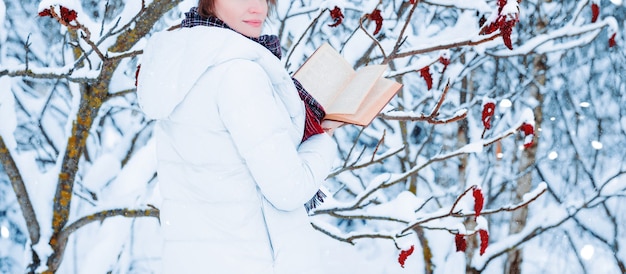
[27, 72]
[92, 98]
[350, 239]
[143, 24]
[432, 117]
[469, 42]
[64, 234]
[10, 168]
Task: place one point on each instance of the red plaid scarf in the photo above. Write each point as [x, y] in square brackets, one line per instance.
[314, 111]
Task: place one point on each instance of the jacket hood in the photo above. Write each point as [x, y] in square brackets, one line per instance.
[173, 61]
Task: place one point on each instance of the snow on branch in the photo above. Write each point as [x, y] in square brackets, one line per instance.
[358, 164]
[613, 186]
[68, 17]
[366, 197]
[456, 43]
[387, 180]
[545, 42]
[452, 212]
[69, 73]
[94, 82]
[409, 225]
[15, 177]
[478, 5]
[545, 219]
[351, 237]
[102, 215]
[60, 241]
[430, 118]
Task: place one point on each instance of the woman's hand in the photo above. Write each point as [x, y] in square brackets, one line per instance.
[329, 126]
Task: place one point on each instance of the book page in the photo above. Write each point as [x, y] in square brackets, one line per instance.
[377, 99]
[325, 74]
[350, 100]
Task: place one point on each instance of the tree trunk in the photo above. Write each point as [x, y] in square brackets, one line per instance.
[527, 160]
[462, 139]
[92, 98]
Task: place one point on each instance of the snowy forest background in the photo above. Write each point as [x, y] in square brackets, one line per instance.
[516, 106]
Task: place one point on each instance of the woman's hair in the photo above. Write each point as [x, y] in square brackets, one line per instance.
[206, 8]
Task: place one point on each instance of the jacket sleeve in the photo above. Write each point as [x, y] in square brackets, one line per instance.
[286, 174]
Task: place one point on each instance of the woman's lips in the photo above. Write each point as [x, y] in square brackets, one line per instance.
[254, 23]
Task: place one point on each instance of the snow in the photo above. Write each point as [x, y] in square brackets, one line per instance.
[510, 8]
[340, 257]
[131, 181]
[41, 191]
[113, 238]
[7, 113]
[460, 112]
[616, 186]
[103, 170]
[475, 147]
[3, 34]
[569, 30]
[402, 208]
[415, 65]
[460, 228]
[481, 223]
[550, 216]
[528, 116]
[478, 5]
[70, 4]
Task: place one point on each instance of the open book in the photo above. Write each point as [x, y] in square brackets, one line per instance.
[349, 96]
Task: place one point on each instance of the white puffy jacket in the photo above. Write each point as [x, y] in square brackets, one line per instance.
[232, 172]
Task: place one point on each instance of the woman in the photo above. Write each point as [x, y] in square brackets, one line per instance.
[233, 167]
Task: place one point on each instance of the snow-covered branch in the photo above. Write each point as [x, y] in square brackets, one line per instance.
[356, 164]
[64, 234]
[430, 118]
[351, 237]
[546, 219]
[388, 180]
[409, 225]
[82, 75]
[456, 43]
[23, 199]
[545, 43]
[529, 198]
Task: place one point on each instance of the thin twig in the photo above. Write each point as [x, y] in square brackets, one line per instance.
[432, 117]
[469, 42]
[382, 50]
[304, 34]
[351, 239]
[451, 213]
